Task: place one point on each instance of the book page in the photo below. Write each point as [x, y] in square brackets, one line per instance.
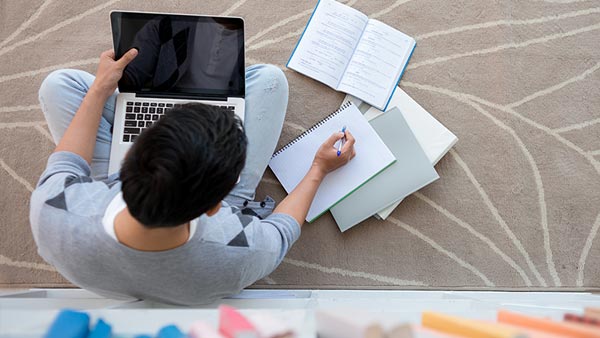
[375, 68]
[328, 42]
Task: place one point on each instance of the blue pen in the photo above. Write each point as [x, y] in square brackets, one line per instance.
[341, 144]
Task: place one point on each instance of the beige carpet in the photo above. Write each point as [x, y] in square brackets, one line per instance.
[518, 202]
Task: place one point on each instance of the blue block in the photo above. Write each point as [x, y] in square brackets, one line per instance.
[69, 324]
[170, 331]
[101, 330]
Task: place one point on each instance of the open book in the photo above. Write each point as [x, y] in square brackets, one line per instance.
[349, 52]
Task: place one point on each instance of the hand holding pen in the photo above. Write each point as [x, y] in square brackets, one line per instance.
[327, 158]
[342, 141]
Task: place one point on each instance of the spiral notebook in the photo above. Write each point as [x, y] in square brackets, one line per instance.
[293, 161]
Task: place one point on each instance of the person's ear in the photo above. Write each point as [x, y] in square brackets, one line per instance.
[214, 210]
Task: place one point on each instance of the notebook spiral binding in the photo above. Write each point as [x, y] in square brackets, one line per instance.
[311, 129]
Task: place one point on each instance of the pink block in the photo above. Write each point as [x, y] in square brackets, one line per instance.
[233, 324]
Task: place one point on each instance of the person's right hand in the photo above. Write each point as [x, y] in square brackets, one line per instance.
[110, 71]
[326, 159]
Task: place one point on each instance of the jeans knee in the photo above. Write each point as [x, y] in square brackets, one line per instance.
[273, 79]
[52, 82]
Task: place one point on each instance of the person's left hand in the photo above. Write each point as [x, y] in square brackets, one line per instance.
[110, 71]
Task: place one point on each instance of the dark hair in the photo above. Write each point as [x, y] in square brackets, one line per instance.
[183, 165]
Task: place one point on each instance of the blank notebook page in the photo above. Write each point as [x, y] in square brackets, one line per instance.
[293, 161]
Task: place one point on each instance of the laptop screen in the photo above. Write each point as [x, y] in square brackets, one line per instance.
[181, 55]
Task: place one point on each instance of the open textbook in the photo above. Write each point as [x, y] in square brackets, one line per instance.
[349, 52]
[435, 139]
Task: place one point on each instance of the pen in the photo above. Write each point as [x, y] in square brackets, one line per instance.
[341, 144]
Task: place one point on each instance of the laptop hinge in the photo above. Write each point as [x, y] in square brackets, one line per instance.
[181, 96]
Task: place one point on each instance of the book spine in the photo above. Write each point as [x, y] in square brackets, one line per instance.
[353, 51]
[399, 78]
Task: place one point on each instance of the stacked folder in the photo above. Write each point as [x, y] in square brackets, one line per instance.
[417, 140]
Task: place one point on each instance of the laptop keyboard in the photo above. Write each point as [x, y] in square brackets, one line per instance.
[140, 115]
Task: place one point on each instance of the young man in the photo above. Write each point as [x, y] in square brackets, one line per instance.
[179, 224]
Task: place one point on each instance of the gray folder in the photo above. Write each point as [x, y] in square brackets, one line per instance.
[412, 171]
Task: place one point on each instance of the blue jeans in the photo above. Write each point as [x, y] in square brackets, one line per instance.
[62, 91]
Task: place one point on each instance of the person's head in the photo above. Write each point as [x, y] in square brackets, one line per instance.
[183, 166]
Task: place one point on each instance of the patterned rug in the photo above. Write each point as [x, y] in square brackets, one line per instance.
[518, 81]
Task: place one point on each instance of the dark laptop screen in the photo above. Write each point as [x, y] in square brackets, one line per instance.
[180, 54]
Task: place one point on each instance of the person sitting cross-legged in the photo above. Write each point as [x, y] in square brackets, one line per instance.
[178, 224]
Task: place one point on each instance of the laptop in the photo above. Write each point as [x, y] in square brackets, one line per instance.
[181, 59]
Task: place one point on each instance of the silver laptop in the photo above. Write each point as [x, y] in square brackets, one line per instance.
[181, 59]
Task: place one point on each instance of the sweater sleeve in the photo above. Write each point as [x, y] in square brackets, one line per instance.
[272, 238]
[64, 164]
[63, 169]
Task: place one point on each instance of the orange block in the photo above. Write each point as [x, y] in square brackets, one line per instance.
[467, 327]
[529, 332]
[547, 325]
[592, 313]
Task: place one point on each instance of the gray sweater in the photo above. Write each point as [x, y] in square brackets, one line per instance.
[228, 251]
